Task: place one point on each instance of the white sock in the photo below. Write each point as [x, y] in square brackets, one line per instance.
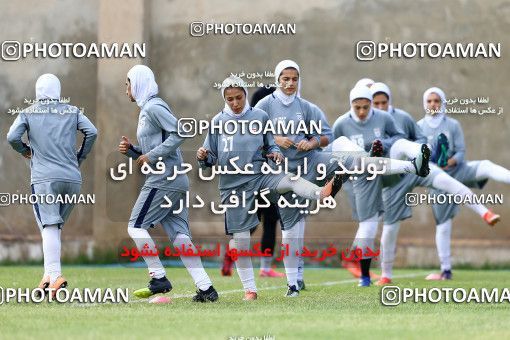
[141, 237]
[344, 144]
[404, 149]
[488, 170]
[265, 263]
[388, 248]
[291, 238]
[301, 268]
[443, 238]
[367, 230]
[449, 184]
[193, 263]
[392, 166]
[300, 187]
[241, 241]
[51, 250]
[301, 244]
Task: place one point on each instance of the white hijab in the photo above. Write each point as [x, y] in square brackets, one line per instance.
[365, 82]
[143, 84]
[382, 87]
[282, 65]
[359, 92]
[47, 86]
[433, 120]
[234, 81]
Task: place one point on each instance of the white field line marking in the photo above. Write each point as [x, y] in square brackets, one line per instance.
[327, 283]
[232, 291]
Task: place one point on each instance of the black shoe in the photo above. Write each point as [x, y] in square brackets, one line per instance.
[338, 181]
[377, 149]
[206, 295]
[301, 285]
[161, 285]
[446, 275]
[155, 286]
[421, 163]
[292, 292]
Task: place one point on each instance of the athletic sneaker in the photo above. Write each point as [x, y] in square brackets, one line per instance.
[338, 181]
[155, 286]
[332, 187]
[44, 284]
[421, 163]
[292, 292]
[250, 296]
[364, 281]
[301, 285]
[206, 295]
[444, 275]
[383, 281]
[60, 283]
[441, 152]
[377, 149]
[353, 268]
[270, 273]
[491, 218]
[228, 264]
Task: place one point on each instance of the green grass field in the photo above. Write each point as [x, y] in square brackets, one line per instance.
[332, 307]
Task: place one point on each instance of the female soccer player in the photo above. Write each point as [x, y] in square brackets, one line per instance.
[366, 125]
[395, 207]
[473, 173]
[286, 104]
[252, 149]
[54, 164]
[158, 136]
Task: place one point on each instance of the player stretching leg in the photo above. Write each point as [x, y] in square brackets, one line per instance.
[285, 104]
[394, 191]
[364, 125]
[473, 173]
[254, 150]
